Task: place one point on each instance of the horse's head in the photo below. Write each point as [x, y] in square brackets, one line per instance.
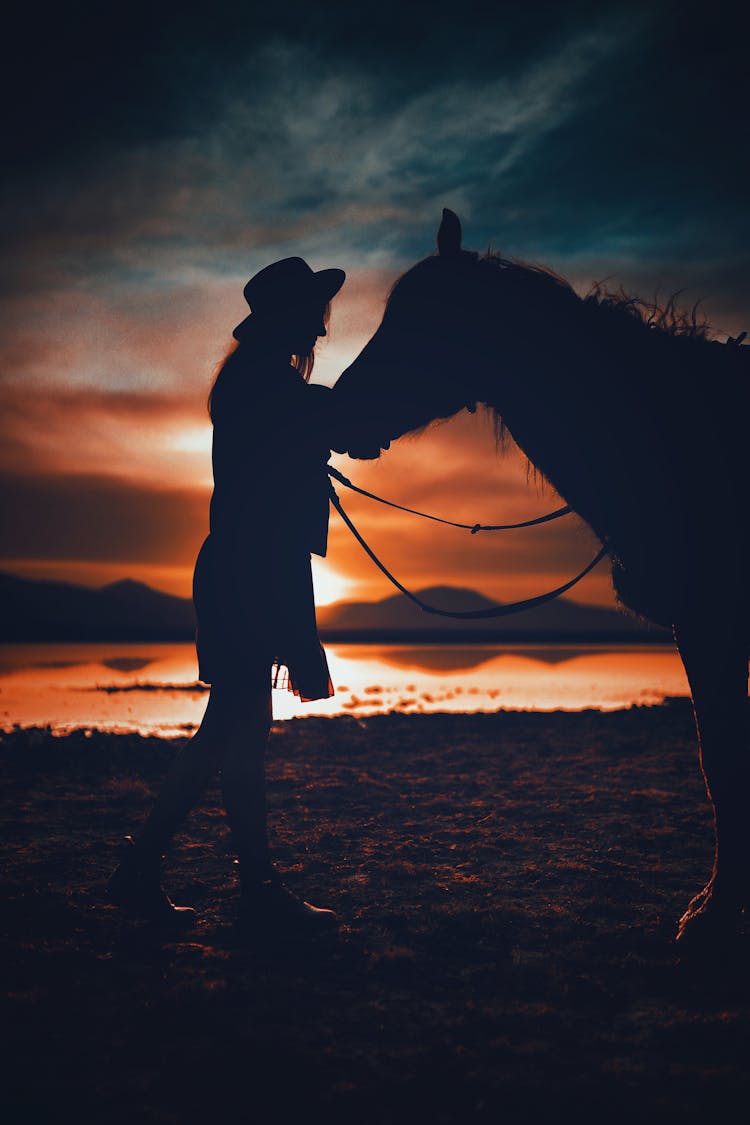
[421, 364]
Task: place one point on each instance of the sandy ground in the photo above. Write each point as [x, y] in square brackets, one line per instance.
[508, 886]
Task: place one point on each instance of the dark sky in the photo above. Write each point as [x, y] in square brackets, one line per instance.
[158, 155]
[574, 128]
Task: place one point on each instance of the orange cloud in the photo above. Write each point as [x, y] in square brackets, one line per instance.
[101, 519]
[455, 471]
[105, 454]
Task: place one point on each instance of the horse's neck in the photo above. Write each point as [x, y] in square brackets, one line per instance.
[556, 407]
[538, 391]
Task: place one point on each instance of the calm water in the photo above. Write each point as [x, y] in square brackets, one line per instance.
[152, 688]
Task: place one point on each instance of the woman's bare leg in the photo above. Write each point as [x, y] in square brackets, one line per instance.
[268, 909]
[233, 737]
[243, 779]
[135, 884]
[191, 771]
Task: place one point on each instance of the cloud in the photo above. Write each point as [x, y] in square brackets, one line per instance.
[99, 519]
[97, 527]
[147, 440]
[455, 471]
[600, 142]
[299, 151]
[504, 566]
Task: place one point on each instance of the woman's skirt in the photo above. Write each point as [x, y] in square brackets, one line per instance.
[258, 614]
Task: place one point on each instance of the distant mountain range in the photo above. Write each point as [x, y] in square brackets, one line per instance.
[132, 611]
[60, 611]
[398, 619]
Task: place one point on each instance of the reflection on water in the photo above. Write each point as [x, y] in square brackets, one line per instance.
[127, 663]
[455, 658]
[153, 687]
[439, 658]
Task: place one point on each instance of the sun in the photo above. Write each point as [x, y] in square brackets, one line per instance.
[329, 585]
[192, 439]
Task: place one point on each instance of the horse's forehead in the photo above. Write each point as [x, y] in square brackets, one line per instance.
[434, 277]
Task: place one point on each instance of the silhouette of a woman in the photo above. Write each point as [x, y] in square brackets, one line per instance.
[253, 591]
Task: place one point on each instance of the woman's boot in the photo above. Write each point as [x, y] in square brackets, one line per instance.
[270, 910]
[135, 887]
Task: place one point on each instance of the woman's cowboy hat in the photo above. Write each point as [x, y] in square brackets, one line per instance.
[288, 285]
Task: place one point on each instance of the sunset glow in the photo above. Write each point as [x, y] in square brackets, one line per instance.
[153, 688]
[447, 823]
[193, 439]
[329, 585]
[129, 286]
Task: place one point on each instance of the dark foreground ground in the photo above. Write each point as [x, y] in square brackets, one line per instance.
[508, 886]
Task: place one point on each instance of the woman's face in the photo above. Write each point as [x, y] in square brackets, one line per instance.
[303, 329]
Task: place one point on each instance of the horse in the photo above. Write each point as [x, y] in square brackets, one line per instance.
[636, 415]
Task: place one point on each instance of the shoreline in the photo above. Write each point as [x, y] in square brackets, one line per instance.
[36, 731]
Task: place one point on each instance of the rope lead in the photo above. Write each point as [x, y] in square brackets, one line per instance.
[470, 615]
[473, 528]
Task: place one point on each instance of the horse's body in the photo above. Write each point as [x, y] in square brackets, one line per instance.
[640, 428]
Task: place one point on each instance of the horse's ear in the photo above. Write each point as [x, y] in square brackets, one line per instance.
[449, 234]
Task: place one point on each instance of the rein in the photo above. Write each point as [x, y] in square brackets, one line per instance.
[470, 615]
[472, 527]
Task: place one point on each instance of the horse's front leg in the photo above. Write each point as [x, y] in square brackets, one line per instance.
[715, 659]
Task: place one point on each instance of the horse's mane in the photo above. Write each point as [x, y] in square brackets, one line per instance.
[617, 311]
[616, 306]
[660, 344]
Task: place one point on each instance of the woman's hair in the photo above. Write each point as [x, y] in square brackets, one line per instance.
[305, 363]
[222, 374]
[302, 363]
